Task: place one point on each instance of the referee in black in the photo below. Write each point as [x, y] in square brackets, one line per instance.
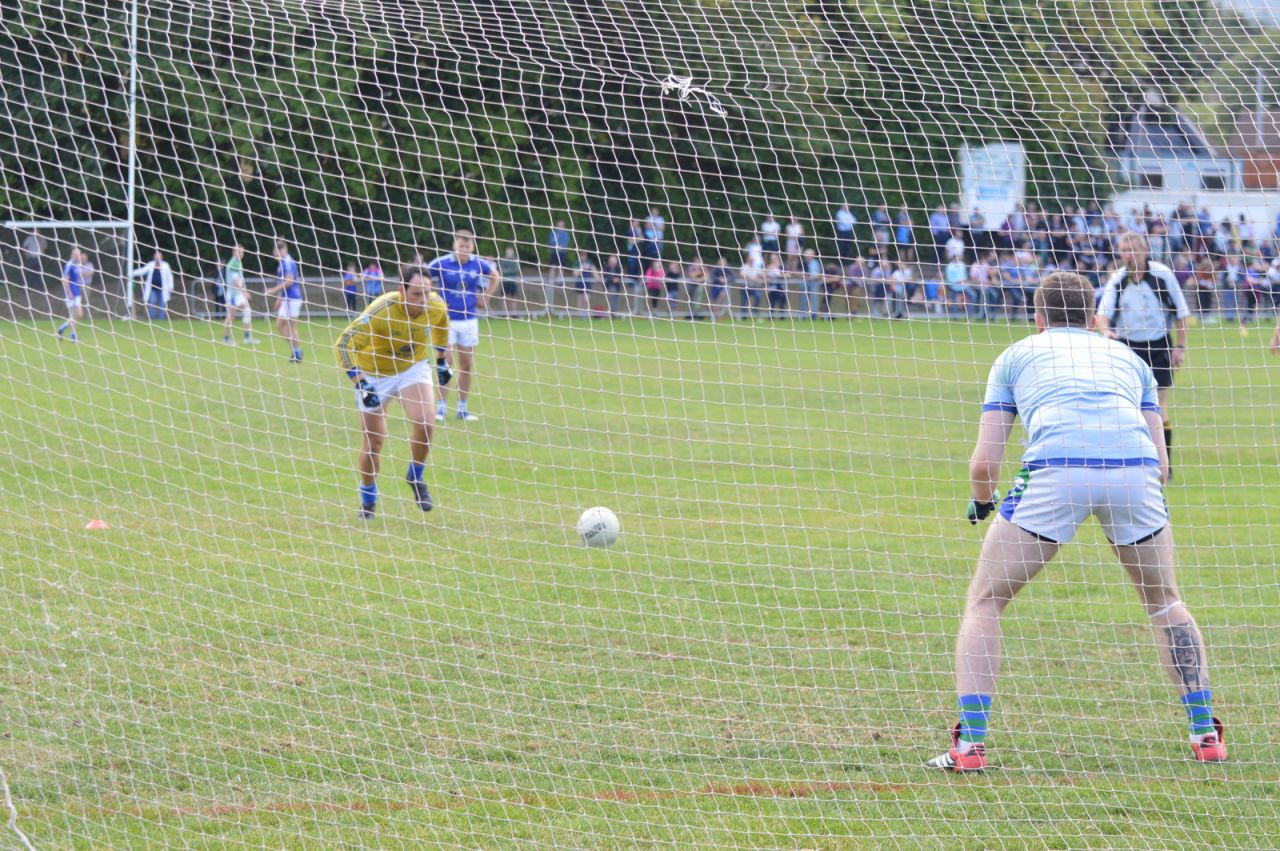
[1142, 306]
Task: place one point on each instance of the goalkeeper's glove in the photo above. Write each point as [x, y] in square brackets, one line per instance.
[443, 374]
[978, 511]
[369, 398]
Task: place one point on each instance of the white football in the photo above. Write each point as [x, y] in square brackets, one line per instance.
[598, 527]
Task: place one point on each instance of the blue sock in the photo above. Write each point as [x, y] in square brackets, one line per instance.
[247, 333]
[416, 469]
[73, 336]
[1199, 711]
[974, 712]
[63, 327]
[442, 406]
[462, 406]
[297, 353]
[369, 495]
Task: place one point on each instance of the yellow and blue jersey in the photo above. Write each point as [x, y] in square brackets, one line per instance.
[385, 340]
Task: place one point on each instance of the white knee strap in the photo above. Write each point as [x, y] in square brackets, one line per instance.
[1166, 609]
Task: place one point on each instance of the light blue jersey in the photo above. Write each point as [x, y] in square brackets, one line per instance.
[1080, 397]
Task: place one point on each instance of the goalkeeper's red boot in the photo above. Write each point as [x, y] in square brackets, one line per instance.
[973, 760]
[1213, 747]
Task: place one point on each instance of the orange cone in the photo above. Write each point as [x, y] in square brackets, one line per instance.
[97, 524]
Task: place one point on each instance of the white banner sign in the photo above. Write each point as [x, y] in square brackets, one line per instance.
[993, 180]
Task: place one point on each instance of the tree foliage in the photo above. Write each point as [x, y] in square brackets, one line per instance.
[368, 134]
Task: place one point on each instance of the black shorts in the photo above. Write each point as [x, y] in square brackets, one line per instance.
[1157, 355]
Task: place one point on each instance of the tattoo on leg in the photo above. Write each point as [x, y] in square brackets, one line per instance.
[1184, 647]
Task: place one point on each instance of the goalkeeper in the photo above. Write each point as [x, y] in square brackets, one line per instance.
[384, 352]
[1095, 446]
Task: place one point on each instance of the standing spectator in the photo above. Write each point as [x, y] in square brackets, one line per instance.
[656, 229]
[654, 285]
[1205, 284]
[955, 247]
[612, 275]
[754, 252]
[648, 240]
[371, 280]
[350, 286]
[559, 240]
[795, 245]
[902, 286]
[833, 286]
[752, 278]
[720, 280]
[880, 217]
[813, 285]
[584, 282]
[980, 278]
[904, 234]
[634, 267]
[73, 293]
[695, 282]
[940, 230]
[845, 223]
[32, 250]
[1141, 306]
[776, 284]
[673, 281]
[509, 269]
[956, 278]
[769, 231]
[157, 285]
[289, 303]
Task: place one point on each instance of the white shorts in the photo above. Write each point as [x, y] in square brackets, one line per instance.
[75, 303]
[464, 332]
[389, 386]
[290, 308]
[1052, 502]
[237, 298]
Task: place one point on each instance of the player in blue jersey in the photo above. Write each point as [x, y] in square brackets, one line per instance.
[1095, 446]
[73, 292]
[465, 281]
[288, 292]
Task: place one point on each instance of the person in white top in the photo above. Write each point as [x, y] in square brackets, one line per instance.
[769, 231]
[1094, 448]
[1141, 305]
[157, 285]
[795, 244]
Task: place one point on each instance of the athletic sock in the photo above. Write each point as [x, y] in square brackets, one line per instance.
[1199, 713]
[974, 711]
[63, 327]
[297, 353]
[369, 495]
[462, 406]
[442, 408]
[416, 469]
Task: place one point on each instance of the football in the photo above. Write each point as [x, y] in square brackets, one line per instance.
[598, 527]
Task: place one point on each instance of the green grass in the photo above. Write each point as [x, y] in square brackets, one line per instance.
[762, 661]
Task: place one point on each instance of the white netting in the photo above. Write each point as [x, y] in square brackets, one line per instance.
[828, 218]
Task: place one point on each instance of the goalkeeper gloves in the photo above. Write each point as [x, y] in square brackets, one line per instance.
[443, 374]
[978, 511]
[369, 398]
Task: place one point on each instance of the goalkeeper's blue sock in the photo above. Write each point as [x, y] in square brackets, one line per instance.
[1199, 712]
[369, 495]
[416, 469]
[62, 329]
[297, 354]
[974, 711]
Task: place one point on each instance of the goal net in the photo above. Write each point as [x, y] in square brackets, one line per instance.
[751, 265]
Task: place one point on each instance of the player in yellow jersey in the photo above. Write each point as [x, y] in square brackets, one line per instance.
[384, 351]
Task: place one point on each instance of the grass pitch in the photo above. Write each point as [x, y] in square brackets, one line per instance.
[762, 661]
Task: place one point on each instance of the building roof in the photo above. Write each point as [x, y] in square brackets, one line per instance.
[1159, 131]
